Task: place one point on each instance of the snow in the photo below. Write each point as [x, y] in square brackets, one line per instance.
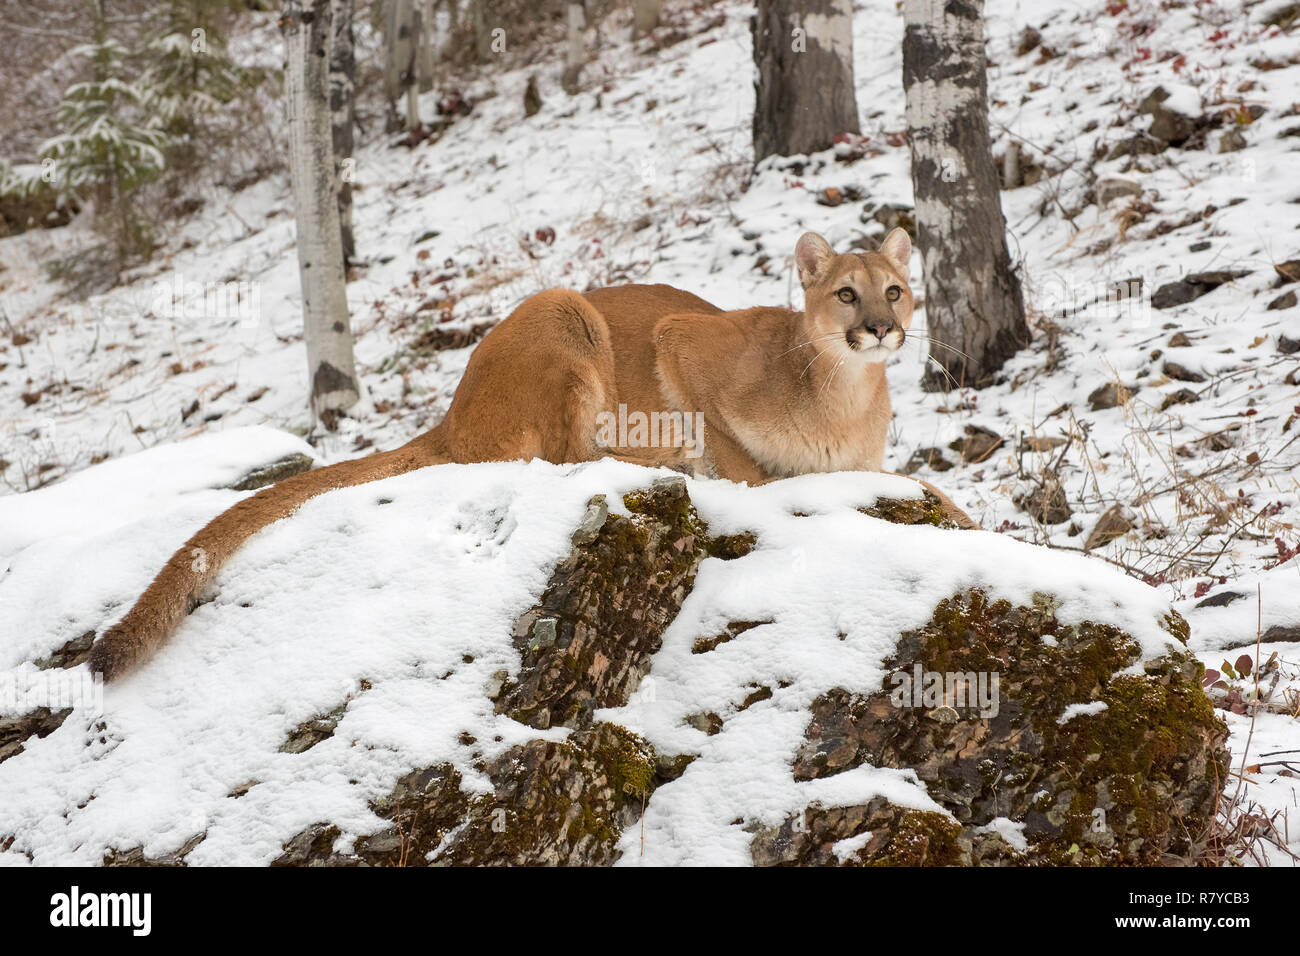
[1009, 830]
[116, 374]
[1081, 710]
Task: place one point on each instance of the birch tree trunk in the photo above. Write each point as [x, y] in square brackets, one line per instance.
[306, 26]
[645, 17]
[803, 51]
[973, 305]
[343, 102]
[400, 49]
[575, 53]
[424, 41]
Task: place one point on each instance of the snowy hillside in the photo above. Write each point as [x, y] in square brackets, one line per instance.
[1190, 455]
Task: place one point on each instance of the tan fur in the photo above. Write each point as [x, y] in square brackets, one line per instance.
[781, 393]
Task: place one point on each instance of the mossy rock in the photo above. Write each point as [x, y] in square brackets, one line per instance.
[924, 510]
[270, 473]
[589, 641]
[1134, 783]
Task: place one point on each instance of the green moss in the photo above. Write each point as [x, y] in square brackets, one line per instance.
[922, 838]
[924, 510]
[1129, 759]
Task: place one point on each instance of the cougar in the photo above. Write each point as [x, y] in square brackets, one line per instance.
[645, 373]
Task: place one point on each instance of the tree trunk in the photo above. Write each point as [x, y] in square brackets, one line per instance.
[973, 306]
[575, 53]
[343, 102]
[426, 65]
[803, 51]
[399, 70]
[645, 15]
[306, 26]
[482, 32]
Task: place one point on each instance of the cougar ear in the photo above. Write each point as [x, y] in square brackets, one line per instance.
[811, 254]
[897, 248]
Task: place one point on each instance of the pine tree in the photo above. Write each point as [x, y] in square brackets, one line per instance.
[107, 148]
[188, 76]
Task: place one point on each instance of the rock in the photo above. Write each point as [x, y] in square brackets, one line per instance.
[979, 443]
[609, 601]
[313, 730]
[1030, 40]
[592, 521]
[1231, 141]
[1192, 287]
[926, 458]
[1288, 271]
[1046, 503]
[264, 475]
[1276, 634]
[532, 98]
[1175, 293]
[1040, 443]
[831, 196]
[1283, 16]
[1111, 189]
[1288, 346]
[1184, 396]
[1136, 783]
[1167, 124]
[1222, 599]
[74, 652]
[892, 216]
[439, 338]
[1109, 396]
[1137, 145]
[1182, 373]
[1285, 301]
[16, 731]
[1111, 525]
[1179, 340]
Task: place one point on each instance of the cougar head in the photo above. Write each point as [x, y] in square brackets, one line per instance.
[862, 298]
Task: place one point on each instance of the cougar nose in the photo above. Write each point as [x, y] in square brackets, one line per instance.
[879, 329]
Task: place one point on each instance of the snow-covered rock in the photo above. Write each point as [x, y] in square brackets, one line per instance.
[531, 663]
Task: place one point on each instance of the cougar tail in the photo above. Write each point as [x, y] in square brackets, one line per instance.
[175, 592]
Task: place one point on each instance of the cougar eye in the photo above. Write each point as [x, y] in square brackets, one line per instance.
[894, 293]
[846, 295]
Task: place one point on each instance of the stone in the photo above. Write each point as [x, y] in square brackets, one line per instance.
[1167, 124]
[1152, 762]
[1285, 301]
[592, 521]
[1111, 525]
[1181, 373]
[532, 98]
[1111, 189]
[1231, 141]
[1109, 395]
[979, 443]
[1139, 144]
[278, 470]
[931, 458]
[1288, 271]
[1192, 287]
[1184, 396]
[1046, 503]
